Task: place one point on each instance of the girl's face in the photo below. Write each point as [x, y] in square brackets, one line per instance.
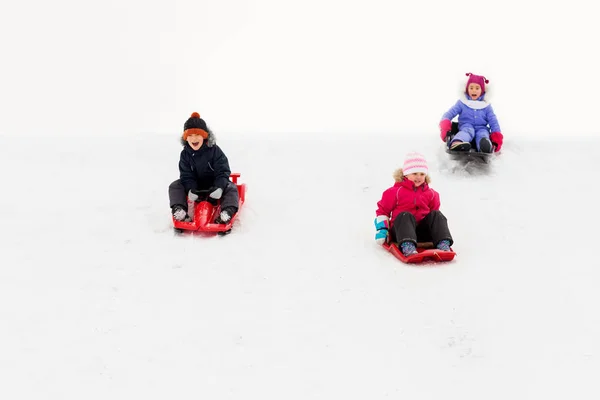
[474, 91]
[417, 178]
[195, 141]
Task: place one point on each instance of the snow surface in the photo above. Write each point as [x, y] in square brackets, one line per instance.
[98, 298]
[315, 103]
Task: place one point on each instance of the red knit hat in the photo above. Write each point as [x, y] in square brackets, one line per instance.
[478, 79]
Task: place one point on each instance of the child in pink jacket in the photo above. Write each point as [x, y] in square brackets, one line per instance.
[411, 210]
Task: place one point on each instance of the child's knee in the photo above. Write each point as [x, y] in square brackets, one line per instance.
[176, 184]
[231, 189]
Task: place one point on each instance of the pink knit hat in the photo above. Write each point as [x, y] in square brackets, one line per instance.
[478, 79]
[415, 162]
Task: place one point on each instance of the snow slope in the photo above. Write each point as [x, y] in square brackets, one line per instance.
[99, 299]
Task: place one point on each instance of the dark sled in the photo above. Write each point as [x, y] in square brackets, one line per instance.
[470, 155]
[205, 213]
[426, 253]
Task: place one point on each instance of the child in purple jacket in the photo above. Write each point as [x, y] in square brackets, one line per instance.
[476, 119]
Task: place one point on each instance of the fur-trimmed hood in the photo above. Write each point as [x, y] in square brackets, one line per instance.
[486, 97]
[398, 176]
[475, 104]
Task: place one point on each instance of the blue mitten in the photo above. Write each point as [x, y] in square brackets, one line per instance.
[382, 224]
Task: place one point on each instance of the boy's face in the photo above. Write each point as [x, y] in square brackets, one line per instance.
[195, 141]
[474, 91]
[417, 178]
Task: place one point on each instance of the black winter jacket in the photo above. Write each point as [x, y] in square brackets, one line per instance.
[204, 168]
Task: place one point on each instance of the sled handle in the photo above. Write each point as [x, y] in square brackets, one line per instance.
[234, 176]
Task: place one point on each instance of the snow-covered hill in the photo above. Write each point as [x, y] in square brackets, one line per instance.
[99, 299]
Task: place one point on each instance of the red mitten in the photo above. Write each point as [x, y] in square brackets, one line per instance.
[445, 127]
[496, 139]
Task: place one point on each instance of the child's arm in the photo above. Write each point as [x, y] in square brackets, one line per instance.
[452, 112]
[186, 175]
[221, 167]
[496, 136]
[434, 204]
[386, 205]
[446, 122]
[492, 119]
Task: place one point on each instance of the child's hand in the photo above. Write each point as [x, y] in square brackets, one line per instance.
[381, 236]
[214, 194]
[193, 196]
[445, 127]
[198, 194]
[382, 224]
[496, 138]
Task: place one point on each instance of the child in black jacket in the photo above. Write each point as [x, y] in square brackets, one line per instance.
[203, 168]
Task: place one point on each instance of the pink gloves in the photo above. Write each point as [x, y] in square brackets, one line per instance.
[496, 138]
[445, 127]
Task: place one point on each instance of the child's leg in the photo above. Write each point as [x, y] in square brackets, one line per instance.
[403, 231]
[482, 140]
[404, 228]
[177, 195]
[465, 135]
[231, 198]
[435, 226]
[229, 203]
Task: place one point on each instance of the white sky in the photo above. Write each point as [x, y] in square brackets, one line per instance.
[334, 67]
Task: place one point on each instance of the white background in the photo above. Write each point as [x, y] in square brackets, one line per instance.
[315, 103]
[291, 67]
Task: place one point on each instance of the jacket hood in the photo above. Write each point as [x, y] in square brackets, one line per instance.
[486, 97]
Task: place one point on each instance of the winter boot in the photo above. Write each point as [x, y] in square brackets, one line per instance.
[485, 145]
[225, 216]
[179, 213]
[443, 245]
[408, 248]
[460, 146]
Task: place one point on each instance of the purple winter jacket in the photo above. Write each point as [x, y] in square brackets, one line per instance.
[477, 113]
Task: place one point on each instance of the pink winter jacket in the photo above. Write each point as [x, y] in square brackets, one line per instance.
[404, 196]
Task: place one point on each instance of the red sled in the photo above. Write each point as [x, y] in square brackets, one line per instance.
[204, 214]
[426, 253]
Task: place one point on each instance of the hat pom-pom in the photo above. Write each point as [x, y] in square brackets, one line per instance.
[195, 115]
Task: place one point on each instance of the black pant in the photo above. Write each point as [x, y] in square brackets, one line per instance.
[433, 228]
[229, 199]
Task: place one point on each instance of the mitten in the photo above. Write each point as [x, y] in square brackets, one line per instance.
[382, 224]
[496, 138]
[193, 196]
[214, 194]
[445, 127]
